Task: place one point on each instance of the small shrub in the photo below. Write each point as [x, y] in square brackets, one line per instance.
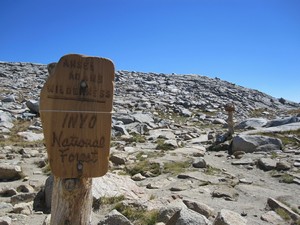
[112, 200]
[152, 197]
[138, 138]
[286, 178]
[274, 155]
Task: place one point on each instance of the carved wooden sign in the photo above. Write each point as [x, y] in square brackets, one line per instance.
[75, 108]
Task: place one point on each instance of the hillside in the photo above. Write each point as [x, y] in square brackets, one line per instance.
[172, 160]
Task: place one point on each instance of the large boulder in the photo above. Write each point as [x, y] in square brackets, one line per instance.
[113, 218]
[112, 185]
[254, 143]
[227, 217]
[252, 123]
[188, 217]
[284, 121]
[165, 213]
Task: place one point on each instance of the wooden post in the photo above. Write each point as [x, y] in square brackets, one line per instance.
[75, 108]
[230, 108]
[71, 201]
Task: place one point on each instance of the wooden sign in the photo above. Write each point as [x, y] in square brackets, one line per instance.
[75, 108]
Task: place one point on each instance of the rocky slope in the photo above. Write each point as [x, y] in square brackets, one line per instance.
[170, 150]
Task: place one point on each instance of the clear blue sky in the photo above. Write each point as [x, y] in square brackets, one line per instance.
[253, 43]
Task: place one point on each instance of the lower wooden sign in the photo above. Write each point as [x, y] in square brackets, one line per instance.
[75, 108]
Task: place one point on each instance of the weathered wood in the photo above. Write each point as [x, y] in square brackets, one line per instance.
[71, 201]
[75, 108]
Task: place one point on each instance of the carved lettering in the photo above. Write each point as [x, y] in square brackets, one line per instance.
[85, 64]
[59, 140]
[83, 157]
[80, 120]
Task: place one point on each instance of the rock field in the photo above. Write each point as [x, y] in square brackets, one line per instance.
[172, 159]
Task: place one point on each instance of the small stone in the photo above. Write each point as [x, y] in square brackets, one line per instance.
[23, 208]
[246, 161]
[199, 163]
[25, 188]
[152, 186]
[23, 197]
[267, 164]
[8, 192]
[244, 181]
[138, 177]
[118, 159]
[283, 165]
[33, 106]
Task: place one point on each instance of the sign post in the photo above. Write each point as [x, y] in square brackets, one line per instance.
[75, 108]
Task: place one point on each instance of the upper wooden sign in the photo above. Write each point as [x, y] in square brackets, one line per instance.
[75, 108]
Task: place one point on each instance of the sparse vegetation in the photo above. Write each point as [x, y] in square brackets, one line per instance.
[287, 137]
[97, 203]
[274, 155]
[176, 168]
[138, 138]
[176, 117]
[143, 167]
[257, 112]
[138, 215]
[283, 214]
[294, 111]
[152, 197]
[141, 156]
[211, 170]
[15, 139]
